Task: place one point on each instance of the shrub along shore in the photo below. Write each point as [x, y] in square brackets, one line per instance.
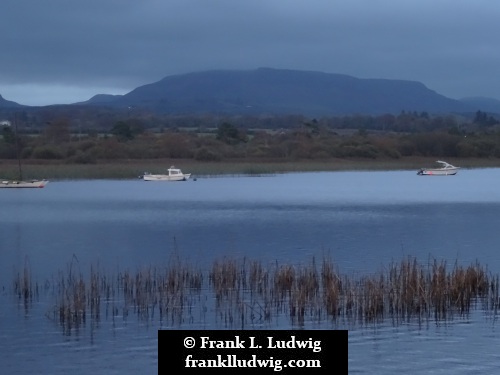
[132, 168]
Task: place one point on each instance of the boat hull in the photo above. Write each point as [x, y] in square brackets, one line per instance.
[438, 172]
[164, 177]
[23, 184]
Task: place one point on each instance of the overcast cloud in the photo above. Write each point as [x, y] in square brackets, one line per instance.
[65, 51]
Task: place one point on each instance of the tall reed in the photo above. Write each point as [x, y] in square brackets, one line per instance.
[247, 292]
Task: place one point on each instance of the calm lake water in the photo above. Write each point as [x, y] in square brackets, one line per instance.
[361, 220]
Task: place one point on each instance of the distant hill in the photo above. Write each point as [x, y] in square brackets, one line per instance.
[276, 91]
[283, 92]
[102, 99]
[483, 104]
[8, 104]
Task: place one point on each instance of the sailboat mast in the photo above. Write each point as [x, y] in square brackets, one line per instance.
[18, 154]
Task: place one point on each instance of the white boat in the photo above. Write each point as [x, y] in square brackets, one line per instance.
[446, 169]
[173, 174]
[20, 183]
[23, 184]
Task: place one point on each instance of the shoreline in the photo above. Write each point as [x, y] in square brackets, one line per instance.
[127, 169]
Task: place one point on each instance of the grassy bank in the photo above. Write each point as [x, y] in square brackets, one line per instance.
[127, 169]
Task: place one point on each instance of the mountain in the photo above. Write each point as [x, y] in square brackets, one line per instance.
[283, 92]
[278, 91]
[483, 104]
[8, 104]
[102, 99]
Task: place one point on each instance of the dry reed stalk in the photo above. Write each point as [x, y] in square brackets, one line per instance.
[224, 277]
[493, 299]
[332, 289]
[248, 292]
[23, 285]
[371, 303]
[173, 287]
[258, 278]
[94, 294]
[284, 279]
[301, 287]
[439, 290]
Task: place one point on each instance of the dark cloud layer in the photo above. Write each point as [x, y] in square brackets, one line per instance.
[61, 51]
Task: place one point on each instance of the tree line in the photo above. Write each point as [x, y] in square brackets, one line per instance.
[372, 137]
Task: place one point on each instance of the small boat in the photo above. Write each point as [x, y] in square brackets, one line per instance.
[173, 174]
[21, 183]
[446, 169]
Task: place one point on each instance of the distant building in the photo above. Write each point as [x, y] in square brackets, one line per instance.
[4, 123]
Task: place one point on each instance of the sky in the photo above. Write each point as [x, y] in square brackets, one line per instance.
[66, 51]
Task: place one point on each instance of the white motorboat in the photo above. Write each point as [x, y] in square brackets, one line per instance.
[446, 169]
[173, 174]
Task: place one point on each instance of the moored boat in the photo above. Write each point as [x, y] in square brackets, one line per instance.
[173, 174]
[446, 169]
[23, 184]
